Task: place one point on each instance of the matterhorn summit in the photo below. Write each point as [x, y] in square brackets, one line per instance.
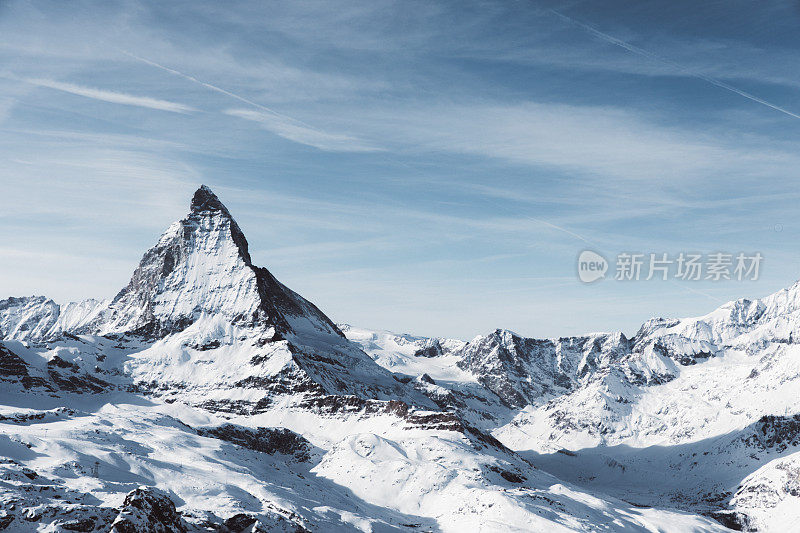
[197, 301]
[201, 267]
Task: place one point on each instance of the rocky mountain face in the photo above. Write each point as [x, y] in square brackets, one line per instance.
[208, 396]
[523, 371]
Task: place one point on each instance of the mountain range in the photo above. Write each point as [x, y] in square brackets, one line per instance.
[208, 396]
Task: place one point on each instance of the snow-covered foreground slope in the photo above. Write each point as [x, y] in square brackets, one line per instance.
[65, 466]
[207, 396]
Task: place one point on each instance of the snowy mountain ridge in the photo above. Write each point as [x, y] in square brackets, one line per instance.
[677, 383]
[207, 396]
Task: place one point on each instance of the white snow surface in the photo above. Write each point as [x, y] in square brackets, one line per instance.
[398, 353]
[648, 423]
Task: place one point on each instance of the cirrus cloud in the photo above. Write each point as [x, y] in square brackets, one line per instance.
[112, 96]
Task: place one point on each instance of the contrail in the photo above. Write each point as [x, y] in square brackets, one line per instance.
[644, 53]
[218, 89]
[696, 291]
[565, 230]
[545, 222]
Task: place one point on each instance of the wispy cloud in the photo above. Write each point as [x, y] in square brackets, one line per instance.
[655, 57]
[298, 132]
[587, 141]
[112, 96]
[283, 125]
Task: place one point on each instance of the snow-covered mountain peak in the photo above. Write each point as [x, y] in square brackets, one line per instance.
[198, 320]
[785, 301]
[200, 267]
[207, 204]
[739, 323]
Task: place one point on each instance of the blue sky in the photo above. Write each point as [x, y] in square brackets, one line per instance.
[429, 167]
